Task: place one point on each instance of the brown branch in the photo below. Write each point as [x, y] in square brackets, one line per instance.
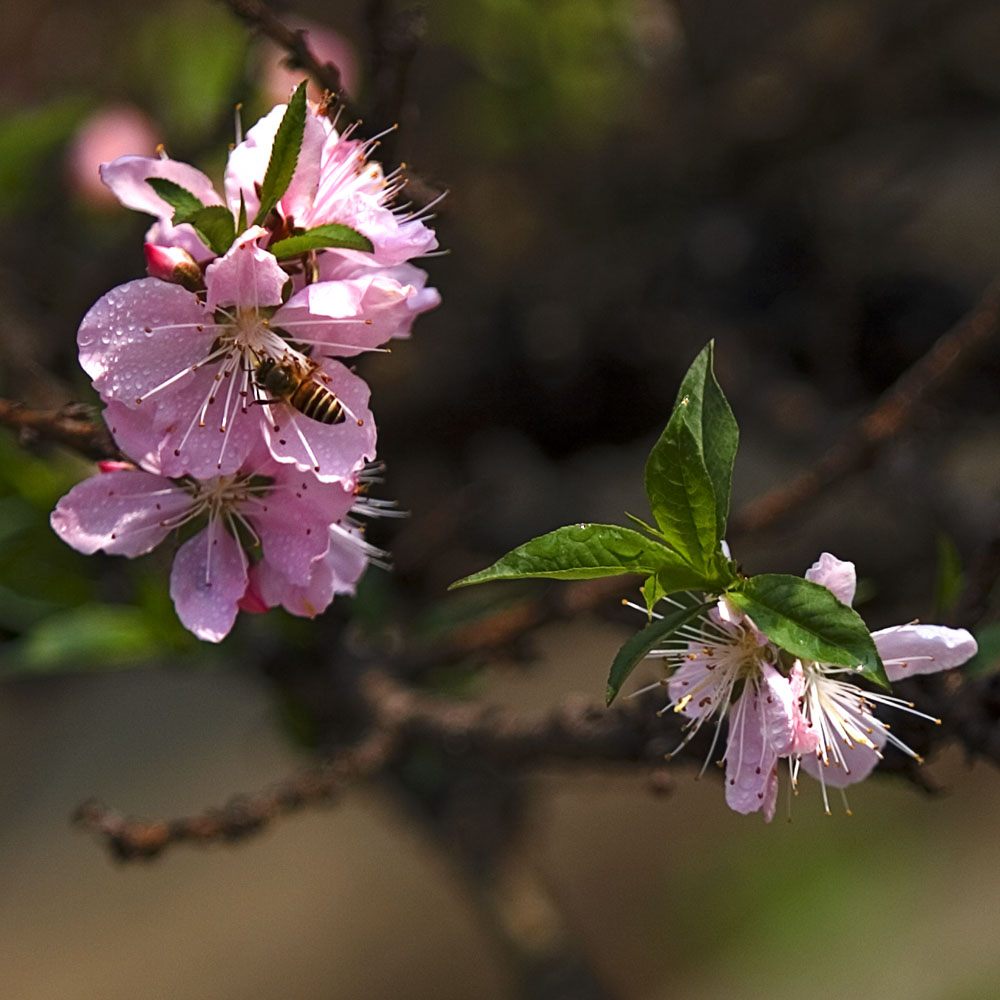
[574, 732]
[260, 17]
[73, 426]
[952, 353]
[243, 816]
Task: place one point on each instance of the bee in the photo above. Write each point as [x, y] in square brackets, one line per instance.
[291, 381]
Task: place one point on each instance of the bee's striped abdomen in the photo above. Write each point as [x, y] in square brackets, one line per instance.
[314, 400]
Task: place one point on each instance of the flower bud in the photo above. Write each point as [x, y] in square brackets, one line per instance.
[175, 265]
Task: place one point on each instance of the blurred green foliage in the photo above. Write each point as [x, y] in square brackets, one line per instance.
[199, 53]
[550, 71]
[56, 612]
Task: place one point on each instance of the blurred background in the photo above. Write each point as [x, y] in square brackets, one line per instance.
[816, 185]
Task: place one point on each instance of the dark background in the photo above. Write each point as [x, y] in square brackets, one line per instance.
[814, 185]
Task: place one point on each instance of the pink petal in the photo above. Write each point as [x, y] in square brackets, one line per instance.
[246, 276]
[208, 578]
[127, 176]
[294, 520]
[804, 737]
[139, 335]
[750, 761]
[859, 762]
[121, 512]
[347, 557]
[778, 709]
[306, 601]
[349, 316]
[192, 435]
[335, 452]
[837, 576]
[907, 650]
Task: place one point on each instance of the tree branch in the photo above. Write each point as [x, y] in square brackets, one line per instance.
[73, 426]
[951, 354]
[573, 733]
[260, 18]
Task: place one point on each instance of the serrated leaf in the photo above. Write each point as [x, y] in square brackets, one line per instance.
[689, 471]
[332, 234]
[284, 154]
[807, 620]
[652, 593]
[720, 438]
[640, 645]
[578, 552]
[182, 201]
[214, 224]
[681, 494]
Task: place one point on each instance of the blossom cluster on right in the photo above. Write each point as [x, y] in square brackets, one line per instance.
[219, 370]
[778, 705]
[784, 660]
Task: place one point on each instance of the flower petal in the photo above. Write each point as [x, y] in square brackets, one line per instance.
[126, 512]
[293, 521]
[907, 650]
[127, 177]
[852, 764]
[139, 335]
[750, 762]
[335, 452]
[245, 276]
[837, 576]
[208, 578]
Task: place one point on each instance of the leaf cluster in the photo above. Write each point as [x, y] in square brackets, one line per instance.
[688, 480]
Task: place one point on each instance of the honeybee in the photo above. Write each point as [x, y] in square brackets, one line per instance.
[291, 381]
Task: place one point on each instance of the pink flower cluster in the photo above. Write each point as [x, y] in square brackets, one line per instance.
[219, 376]
[810, 713]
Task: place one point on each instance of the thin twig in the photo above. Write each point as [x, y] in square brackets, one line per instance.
[260, 17]
[894, 410]
[71, 425]
[243, 816]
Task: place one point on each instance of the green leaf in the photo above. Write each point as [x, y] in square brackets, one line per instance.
[332, 234]
[90, 637]
[950, 579]
[214, 224]
[642, 524]
[681, 494]
[241, 223]
[643, 643]
[182, 201]
[689, 471]
[808, 621]
[578, 552]
[720, 437]
[652, 592]
[284, 154]
[987, 660]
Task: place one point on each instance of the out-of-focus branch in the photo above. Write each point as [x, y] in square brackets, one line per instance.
[261, 18]
[243, 816]
[73, 426]
[952, 353]
[575, 732]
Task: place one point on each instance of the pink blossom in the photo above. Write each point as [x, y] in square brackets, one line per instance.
[847, 735]
[266, 511]
[104, 135]
[334, 182]
[711, 658]
[179, 372]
